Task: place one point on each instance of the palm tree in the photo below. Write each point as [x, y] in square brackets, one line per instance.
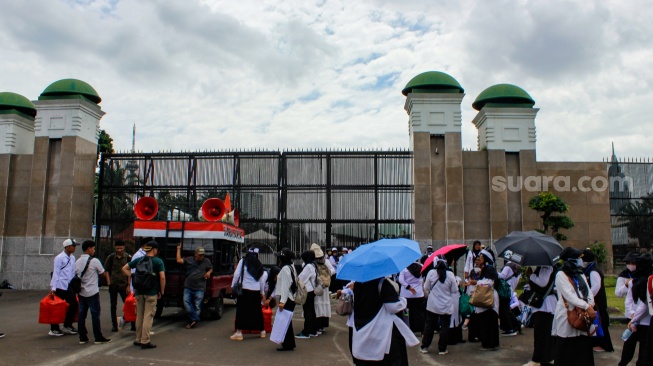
[637, 218]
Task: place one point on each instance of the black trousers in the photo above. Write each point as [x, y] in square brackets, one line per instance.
[473, 328]
[429, 328]
[73, 308]
[310, 319]
[416, 311]
[628, 352]
[507, 318]
[488, 328]
[543, 346]
[574, 351]
[289, 340]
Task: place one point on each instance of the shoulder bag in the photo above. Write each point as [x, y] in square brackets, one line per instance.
[237, 289]
[577, 317]
[483, 297]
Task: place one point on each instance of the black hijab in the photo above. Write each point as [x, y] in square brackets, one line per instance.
[272, 283]
[441, 268]
[571, 268]
[642, 271]
[254, 266]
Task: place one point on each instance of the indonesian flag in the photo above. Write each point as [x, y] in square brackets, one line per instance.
[192, 230]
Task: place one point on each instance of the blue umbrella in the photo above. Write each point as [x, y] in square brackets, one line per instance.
[378, 259]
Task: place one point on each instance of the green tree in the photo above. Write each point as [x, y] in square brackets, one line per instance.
[552, 209]
[637, 218]
[104, 144]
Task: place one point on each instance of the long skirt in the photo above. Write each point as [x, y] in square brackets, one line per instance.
[488, 322]
[249, 314]
[543, 345]
[289, 340]
[574, 351]
[398, 355]
[604, 342]
[473, 328]
[310, 320]
[416, 312]
[323, 310]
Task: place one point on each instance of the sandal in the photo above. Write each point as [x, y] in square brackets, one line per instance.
[191, 324]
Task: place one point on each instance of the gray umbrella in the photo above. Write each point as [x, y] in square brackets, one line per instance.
[528, 248]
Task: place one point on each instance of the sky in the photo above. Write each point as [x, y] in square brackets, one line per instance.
[304, 74]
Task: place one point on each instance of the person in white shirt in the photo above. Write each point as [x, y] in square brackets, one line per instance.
[308, 277]
[63, 272]
[249, 313]
[640, 318]
[542, 317]
[410, 280]
[510, 325]
[573, 347]
[594, 278]
[440, 289]
[88, 269]
[487, 319]
[285, 289]
[322, 302]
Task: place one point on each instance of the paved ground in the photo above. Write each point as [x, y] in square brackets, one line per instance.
[27, 343]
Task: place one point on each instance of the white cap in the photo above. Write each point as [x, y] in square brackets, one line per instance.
[253, 250]
[69, 242]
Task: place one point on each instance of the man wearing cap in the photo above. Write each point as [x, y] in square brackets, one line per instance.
[118, 281]
[427, 253]
[198, 270]
[63, 272]
[146, 301]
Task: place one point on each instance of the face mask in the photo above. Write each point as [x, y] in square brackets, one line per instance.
[477, 270]
[585, 264]
[631, 267]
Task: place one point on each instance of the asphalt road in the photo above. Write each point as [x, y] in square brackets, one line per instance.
[27, 343]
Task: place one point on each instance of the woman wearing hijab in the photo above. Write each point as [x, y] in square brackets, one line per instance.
[595, 280]
[640, 317]
[322, 302]
[308, 277]
[542, 318]
[410, 280]
[573, 346]
[440, 289]
[487, 319]
[285, 288]
[249, 314]
[470, 262]
[378, 335]
[271, 285]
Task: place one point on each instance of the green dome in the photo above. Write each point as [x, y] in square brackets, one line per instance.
[12, 101]
[66, 88]
[503, 95]
[433, 82]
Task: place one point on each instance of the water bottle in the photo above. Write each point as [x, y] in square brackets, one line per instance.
[626, 334]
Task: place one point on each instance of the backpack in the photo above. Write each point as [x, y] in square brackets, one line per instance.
[324, 273]
[298, 288]
[504, 289]
[144, 279]
[318, 286]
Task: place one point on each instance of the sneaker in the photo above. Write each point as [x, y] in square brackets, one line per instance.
[148, 345]
[509, 333]
[121, 323]
[263, 334]
[302, 336]
[55, 333]
[191, 325]
[443, 352]
[83, 340]
[598, 349]
[114, 329]
[424, 349]
[236, 337]
[314, 335]
[69, 330]
[532, 363]
[489, 349]
[2, 335]
[102, 340]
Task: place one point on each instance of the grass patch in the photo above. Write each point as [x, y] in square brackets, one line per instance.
[610, 283]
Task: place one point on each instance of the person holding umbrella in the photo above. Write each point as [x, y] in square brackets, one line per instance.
[411, 288]
[595, 279]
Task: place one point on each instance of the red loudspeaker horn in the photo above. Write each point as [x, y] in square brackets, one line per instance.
[146, 208]
[213, 209]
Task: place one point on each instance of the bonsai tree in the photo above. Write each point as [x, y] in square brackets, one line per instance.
[552, 209]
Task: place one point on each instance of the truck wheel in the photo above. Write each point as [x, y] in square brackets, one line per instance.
[159, 310]
[216, 307]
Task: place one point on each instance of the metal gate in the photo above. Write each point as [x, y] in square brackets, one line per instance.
[285, 199]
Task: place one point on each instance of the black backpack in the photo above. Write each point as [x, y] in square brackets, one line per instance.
[144, 279]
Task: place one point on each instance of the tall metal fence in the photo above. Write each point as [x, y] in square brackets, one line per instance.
[285, 199]
[631, 205]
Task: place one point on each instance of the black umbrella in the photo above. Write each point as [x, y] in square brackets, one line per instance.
[528, 248]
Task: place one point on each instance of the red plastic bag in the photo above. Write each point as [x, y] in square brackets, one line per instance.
[129, 308]
[52, 310]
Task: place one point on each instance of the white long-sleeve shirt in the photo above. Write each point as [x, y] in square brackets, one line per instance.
[284, 281]
[440, 295]
[407, 279]
[629, 303]
[595, 279]
[509, 275]
[566, 291]
[488, 282]
[249, 282]
[542, 279]
[63, 271]
[621, 288]
[308, 276]
[641, 314]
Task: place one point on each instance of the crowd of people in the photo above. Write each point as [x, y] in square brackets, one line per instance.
[388, 313]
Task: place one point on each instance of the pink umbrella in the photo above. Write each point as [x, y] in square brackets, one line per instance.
[450, 252]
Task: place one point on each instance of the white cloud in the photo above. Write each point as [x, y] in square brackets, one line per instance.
[296, 74]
